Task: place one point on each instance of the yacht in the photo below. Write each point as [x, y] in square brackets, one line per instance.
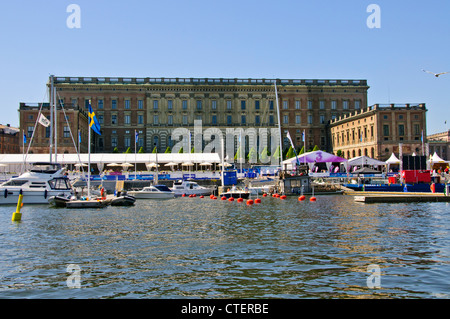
[236, 192]
[189, 188]
[37, 185]
[153, 192]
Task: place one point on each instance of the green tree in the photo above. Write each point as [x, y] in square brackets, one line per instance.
[180, 151]
[277, 154]
[264, 156]
[252, 156]
[290, 153]
[238, 154]
[115, 150]
[128, 150]
[155, 150]
[316, 148]
[141, 150]
[302, 150]
[168, 150]
[339, 153]
[193, 149]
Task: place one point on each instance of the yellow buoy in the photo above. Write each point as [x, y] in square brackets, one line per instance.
[17, 215]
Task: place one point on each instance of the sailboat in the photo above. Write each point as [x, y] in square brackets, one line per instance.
[44, 179]
[88, 202]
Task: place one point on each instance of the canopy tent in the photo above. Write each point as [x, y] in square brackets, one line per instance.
[365, 160]
[393, 160]
[102, 159]
[314, 157]
[436, 161]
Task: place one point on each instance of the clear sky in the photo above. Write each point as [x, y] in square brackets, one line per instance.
[324, 39]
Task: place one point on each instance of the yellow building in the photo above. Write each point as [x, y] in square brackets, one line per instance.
[378, 130]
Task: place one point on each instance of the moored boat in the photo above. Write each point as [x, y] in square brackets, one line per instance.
[189, 188]
[42, 181]
[153, 192]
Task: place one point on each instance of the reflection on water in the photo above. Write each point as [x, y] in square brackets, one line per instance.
[192, 247]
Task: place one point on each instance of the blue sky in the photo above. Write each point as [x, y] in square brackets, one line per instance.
[324, 39]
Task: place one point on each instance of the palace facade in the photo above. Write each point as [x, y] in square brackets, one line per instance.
[154, 107]
[378, 130]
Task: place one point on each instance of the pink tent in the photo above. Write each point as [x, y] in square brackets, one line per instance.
[315, 157]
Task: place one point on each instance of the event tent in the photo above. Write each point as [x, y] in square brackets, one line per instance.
[103, 159]
[311, 158]
[393, 160]
[435, 159]
[365, 160]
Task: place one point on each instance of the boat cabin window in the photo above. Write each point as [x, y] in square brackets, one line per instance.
[45, 168]
[15, 182]
[163, 188]
[59, 183]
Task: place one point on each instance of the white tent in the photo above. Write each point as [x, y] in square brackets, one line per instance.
[435, 159]
[393, 160]
[102, 159]
[365, 160]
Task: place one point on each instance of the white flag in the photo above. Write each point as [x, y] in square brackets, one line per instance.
[44, 121]
[290, 139]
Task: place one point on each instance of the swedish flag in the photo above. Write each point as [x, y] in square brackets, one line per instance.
[93, 122]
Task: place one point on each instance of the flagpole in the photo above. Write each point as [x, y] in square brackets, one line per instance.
[135, 160]
[279, 122]
[89, 160]
[23, 150]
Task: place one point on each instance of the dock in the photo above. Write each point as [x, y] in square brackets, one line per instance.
[394, 197]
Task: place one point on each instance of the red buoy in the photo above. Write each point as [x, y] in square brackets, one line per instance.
[312, 199]
[302, 198]
[202, 196]
[184, 195]
[240, 200]
[231, 199]
[250, 202]
[283, 197]
[258, 201]
[223, 198]
[264, 195]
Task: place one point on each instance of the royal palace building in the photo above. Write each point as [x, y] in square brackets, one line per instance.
[154, 107]
[380, 130]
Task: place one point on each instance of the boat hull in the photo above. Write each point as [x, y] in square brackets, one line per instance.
[125, 200]
[236, 195]
[41, 196]
[151, 195]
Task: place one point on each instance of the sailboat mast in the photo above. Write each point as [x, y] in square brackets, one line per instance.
[55, 118]
[279, 121]
[51, 116]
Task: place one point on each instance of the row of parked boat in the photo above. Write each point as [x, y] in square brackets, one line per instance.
[47, 183]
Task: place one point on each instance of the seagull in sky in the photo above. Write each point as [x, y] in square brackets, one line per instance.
[435, 74]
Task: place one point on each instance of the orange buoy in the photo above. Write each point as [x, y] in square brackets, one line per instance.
[283, 197]
[312, 199]
[231, 199]
[240, 200]
[258, 201]
[302, 198]
[250, 202]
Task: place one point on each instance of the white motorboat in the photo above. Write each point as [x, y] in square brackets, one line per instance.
[42, 181]
[236, 192]
[153, 192]
[189, 188]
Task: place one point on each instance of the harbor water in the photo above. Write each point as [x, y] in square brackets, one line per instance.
[204, 248]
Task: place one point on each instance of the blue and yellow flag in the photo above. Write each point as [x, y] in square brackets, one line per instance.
[93, 122]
